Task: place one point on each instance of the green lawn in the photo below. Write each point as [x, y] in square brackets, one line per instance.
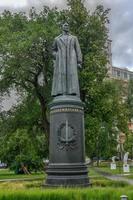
[119, 170]
[66, 194]
[101, 189]
[8, 174]
[92, 172]
[96, 180]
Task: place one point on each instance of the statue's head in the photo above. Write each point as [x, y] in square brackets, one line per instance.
[65, 27]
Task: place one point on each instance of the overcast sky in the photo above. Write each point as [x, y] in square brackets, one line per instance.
[121, 23]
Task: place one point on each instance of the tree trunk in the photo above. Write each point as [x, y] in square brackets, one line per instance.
[45, 123]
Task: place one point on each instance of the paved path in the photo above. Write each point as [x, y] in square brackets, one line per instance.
[31, 179]
[114, 177]
[20, 179]
[105, 174]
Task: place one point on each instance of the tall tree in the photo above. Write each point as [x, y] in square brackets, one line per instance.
[26, 62]
[108, 115]
[22, 139]
[130, 99]
[25, 47]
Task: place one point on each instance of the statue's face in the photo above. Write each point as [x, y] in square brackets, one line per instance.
[65, 27]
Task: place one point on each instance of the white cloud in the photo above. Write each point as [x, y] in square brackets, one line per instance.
[13, 3]
[121, 30]
[121, 26]
[10, 100]
[129, 51]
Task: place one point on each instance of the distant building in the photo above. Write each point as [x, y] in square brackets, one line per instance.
[117, 72]
[121, 73]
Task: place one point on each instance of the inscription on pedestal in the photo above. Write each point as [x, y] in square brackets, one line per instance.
[67, 136]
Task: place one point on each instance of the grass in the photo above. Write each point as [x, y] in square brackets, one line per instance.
[7, 174]
[93, 173]
[119, 170]
[102, 189]
[96, 182]
[67, 194]
[104, 182]
[129, 176]
[21, 185]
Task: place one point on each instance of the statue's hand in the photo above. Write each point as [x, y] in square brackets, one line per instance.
[54, 55]
[79, 66]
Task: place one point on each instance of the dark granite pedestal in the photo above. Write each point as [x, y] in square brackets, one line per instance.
[67, 149]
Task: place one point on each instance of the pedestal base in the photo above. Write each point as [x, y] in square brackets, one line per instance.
[67, 151]
[68, 175]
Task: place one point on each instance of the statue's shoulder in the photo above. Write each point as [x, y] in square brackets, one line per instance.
[58, 37]
[73, 37]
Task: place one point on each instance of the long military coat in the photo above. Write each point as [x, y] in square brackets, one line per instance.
[67, 55]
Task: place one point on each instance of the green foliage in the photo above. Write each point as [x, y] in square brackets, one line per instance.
[109, 183]
[66, 194]
[22, 139]
[25, 46]
[129, 144]
[106, 110]
[20, 150]
[130, 99]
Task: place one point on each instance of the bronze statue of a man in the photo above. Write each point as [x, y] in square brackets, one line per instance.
[67, 58]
